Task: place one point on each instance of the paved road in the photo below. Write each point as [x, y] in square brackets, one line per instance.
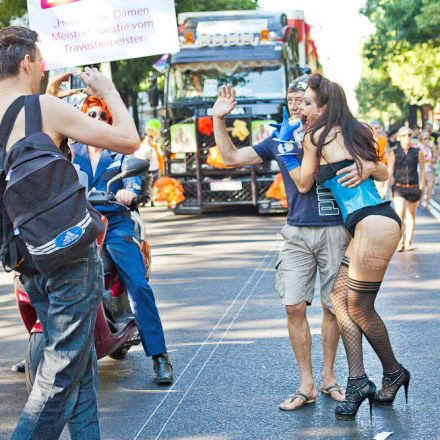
[213, 278]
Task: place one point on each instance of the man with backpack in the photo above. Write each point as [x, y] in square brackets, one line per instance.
[49, 231]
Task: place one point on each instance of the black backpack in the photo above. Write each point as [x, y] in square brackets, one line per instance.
[46, 220]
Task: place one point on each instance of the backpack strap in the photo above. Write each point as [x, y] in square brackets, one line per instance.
[8, 121]
[32, 114]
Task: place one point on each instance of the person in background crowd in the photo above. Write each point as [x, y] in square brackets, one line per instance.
[381, 151]
[151, 149]
[407, 186]
[430, 156]
[381, 141]
[437, 164]
[415, 136]
[430, 129]
[392, 138]
[120, 242]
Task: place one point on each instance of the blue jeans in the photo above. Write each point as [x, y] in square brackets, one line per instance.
[66, 384]
[130, 266]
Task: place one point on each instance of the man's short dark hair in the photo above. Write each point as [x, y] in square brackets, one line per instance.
[15, 43]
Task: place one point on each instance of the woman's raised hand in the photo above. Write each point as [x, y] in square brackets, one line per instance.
[225, 103]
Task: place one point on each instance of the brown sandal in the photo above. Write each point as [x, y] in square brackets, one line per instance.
[298, 395]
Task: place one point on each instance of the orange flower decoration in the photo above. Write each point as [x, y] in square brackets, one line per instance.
[215, 159]
[277, 190]
[205, 125]
[169, 190]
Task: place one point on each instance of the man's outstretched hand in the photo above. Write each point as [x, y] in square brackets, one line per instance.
[225, 103]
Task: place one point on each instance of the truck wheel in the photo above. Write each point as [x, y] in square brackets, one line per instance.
[119, 354]
[34, 354]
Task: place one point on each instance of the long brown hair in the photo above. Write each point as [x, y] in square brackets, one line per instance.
[358, 137]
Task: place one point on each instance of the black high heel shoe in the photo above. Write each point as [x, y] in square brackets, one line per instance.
[391, 384]
[358, 389]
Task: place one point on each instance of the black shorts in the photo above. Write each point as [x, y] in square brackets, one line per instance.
[411, 194]
[383, 209]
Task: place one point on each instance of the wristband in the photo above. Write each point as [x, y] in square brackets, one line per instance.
[290, 161]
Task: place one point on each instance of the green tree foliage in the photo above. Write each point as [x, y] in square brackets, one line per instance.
[11, 9]
[403, 54]
[379, 99]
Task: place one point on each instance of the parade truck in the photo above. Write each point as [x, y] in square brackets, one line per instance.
[256, 52]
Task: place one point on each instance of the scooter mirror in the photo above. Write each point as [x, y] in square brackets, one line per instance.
[130, 167]
[134, 166]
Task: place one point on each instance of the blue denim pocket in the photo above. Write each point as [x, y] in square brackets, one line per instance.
[69, 282]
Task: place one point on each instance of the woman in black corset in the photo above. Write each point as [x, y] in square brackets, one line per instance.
[407, 185]
[332, 135]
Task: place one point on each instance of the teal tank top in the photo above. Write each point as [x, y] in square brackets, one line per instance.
[349, 200]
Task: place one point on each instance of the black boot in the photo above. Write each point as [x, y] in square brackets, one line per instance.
[391, 383]
[358, 389]
[163, 369]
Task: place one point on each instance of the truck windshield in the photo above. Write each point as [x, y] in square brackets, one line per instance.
[198, 82]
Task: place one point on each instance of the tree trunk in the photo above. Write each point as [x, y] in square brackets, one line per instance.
[412, 115]
[134, 105]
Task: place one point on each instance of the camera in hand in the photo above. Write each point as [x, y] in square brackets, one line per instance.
[76, 82]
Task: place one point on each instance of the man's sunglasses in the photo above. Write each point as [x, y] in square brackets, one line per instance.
[101, 115]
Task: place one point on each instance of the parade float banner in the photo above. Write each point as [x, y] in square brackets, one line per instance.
[78, 32]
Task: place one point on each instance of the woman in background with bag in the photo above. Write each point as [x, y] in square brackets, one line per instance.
[407, 184]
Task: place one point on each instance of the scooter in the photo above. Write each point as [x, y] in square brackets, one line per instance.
[115, 328]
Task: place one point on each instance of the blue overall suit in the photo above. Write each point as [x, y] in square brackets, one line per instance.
[123, 250]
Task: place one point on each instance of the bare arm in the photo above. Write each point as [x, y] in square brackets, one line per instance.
[232, 156]
[391, 165]
[434, 154]
[62, 120]
[378, 171]
[304, 176]
[422, 171]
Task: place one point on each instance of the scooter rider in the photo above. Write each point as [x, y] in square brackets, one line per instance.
[100, 166]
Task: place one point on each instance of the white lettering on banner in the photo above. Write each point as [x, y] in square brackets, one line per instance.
[130, 13]
[78, 32]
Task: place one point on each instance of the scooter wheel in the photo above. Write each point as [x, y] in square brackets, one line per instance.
[34, 354]
[119, 354]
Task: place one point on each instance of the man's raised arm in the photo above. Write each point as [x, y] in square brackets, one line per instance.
[63, 120]
[232, 156]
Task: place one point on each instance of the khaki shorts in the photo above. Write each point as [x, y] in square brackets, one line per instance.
[307, 249]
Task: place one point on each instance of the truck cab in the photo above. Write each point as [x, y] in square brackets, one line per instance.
[257, 53]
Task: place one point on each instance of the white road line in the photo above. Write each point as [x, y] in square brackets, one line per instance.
[215, 348]
[435, 209]
[262, 263]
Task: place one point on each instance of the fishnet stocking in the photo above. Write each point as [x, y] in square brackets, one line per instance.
[350, 332]
[360, 300]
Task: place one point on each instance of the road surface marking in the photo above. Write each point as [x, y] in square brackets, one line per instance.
[262, 264]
